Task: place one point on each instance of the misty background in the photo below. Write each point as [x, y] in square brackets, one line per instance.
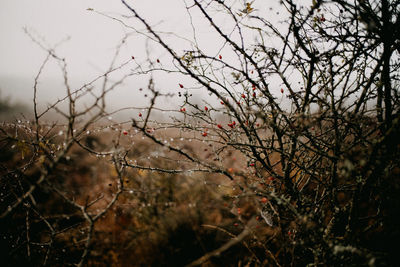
[89, 40]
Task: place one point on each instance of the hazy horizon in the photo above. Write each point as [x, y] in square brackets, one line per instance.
[91, 43]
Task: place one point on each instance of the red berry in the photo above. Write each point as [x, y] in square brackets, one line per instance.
[252, 164]
[220, 57]
[264, 200]
[234, 122]
[243, 96]
[204, 134]
[133, 57]
[125, 132]
[140, 114]
[181, 85]
[219, 126]
[222, 103]
[158, 61]
[206, 108]
[254, 94]
[282, 90]
[183, 109]
[236, 224]
[239, 211]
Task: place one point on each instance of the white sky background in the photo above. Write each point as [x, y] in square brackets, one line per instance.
[92, 43]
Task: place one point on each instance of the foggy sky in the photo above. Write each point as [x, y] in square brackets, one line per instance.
[88, 51]
[91, 44]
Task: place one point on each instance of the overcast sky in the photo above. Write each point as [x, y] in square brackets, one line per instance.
[92, 42]
[88, 51]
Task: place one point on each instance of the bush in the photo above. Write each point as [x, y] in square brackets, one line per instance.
[293, 159]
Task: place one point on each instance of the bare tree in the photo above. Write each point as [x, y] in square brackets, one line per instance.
[298, 129]
[37, 177]
[322, 141]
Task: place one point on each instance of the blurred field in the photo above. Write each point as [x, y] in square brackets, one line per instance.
[174, 211]
[161, 219]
